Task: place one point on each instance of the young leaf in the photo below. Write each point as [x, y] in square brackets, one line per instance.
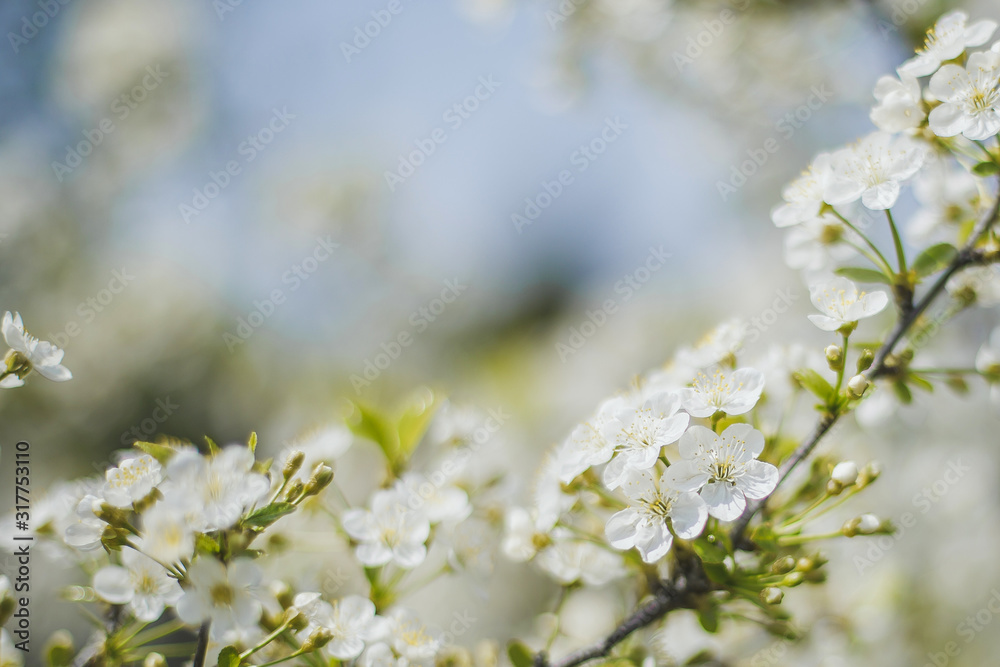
[860, 275]
[229, 657]
[370, 424]
[815, 383]
[414, 422]
[934, 259]
[267, 515]
[986, 169]
[162, 453]
[252, 442]
[520, 655]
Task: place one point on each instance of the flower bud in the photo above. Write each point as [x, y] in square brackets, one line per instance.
[59, 649]
[294, 490]
[154, 659]
[282, 593]
[771, 595]
[868, 524]
[865, 360]
[292, 464]
[834, 357]
[783, 565]
[322, 475]
[869, 473]
[857, 385]
[793, 579]
[17, 364]
[318, 639]
[845, 472]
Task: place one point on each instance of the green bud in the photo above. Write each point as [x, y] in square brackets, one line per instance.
[294, 490]
[834, 357]
[857, 385]
[866, 360]
[869, 473]
[292, 464]
[805, 564]
[793, 579]
[771, 595]
[453, 656]
[17, 364]
[318, 639]
[154, 659]
[59, 649]
[321, 477]
[783, 565]
[834, 488]
[282, 593]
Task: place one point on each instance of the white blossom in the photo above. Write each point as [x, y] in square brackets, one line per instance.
[948, 39]
[845, 472]
[167, 534]
[900, 104]
[389, 532]
[27, 353]
[949, 196]
[656, 506]
[734, 393]
[970, 98]
[976, 284]
[437, 500]
[525, 533]
[588, 444]
[410, 638]
[10, 656]
[214, 492]
[841, 303]
[804, 197]
[223, 595]
[85, 533]
[640, 433]
[131, 480]
[570, 560]
[350, 620]
[818, 245]
[140, 582]
[725, 468]
[873, 169]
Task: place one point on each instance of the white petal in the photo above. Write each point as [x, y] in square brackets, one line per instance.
[373, 554]
[825, 323]
[881, 196]
[724, 501]
[409, 555]
[113, 584]
[759, 480]
[688, 514]
[620, 529]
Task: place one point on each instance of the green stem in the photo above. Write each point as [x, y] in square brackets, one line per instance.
[900, 255]
[945, 371]
[843, 363]
[281, 660]
[885, 266]
[267, 640]
[789, 540]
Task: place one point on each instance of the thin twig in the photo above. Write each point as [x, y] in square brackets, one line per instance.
[199, 656]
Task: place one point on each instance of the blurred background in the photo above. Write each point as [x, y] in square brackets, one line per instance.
[237, 216]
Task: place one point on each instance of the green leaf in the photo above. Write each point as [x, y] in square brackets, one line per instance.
[368, 423]
[934, 259]
[205, 544]
[709, 619]
[414, 422]
[816, 384]
[710, 549]
[162, 453]
[986, 169]
[902, 392]
[920, 383]
[520, 655]
[213, 448]
[252, 443]
[267, 515]
[860, 275]
[229, 657]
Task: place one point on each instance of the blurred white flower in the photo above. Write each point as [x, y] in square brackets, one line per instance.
[350, 620]
[85, 533]
[167, 535]
[588, 445]
[27, 353]
[570, 560]
[223, 595]
[900, 105]
[410, 638]
[970, 98]
[949, 196]
[131, 480]
[733, 393]
[816, 246]
[949, 37]
[437, 500]
[715, 346]
[639, 433]
[725, 468]
[213, 492]
[840, 303]
[525, 534]
[988, 363]
[845, 472]
[976, 284]
[140, 582]
[10, 656]
[381, 655]
[389, 532]
[644, 523]
[804, 197]
[873, 169]
[324, 445]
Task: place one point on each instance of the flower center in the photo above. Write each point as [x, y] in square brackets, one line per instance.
[17, 363]
[222, 595]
